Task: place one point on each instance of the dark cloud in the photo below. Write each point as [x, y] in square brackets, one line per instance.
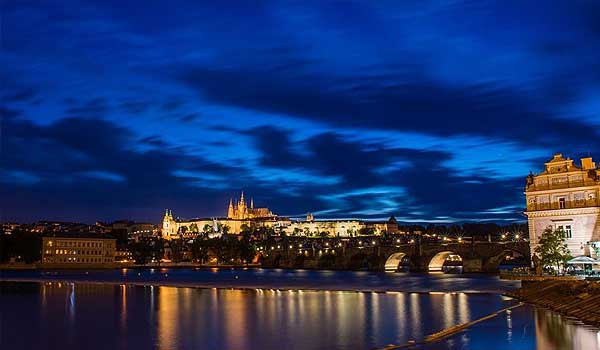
[172, 104]
[423, 183]
[392, 102]
[134, 107]
[189, 118]
[57, 154]
[275, 146]
[96, 107]
[10, 112]
[155, 141]
[21, 95]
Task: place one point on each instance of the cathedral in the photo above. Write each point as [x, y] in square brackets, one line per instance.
[241, 211]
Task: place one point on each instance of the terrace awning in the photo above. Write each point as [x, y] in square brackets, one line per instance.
[581, 260]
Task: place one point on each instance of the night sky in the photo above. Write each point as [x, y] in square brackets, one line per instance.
[430, 111]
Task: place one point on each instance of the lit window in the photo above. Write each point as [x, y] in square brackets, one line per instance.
[562, 202]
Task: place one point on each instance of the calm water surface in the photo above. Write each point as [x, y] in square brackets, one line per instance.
[84, 315]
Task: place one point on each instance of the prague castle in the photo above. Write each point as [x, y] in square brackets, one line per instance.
[565, 196]
[241, 214]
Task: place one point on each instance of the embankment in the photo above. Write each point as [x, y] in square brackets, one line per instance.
[578, 299]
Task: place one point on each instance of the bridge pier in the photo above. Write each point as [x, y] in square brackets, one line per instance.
[472, 265]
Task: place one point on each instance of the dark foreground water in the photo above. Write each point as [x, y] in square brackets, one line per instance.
[84, 315]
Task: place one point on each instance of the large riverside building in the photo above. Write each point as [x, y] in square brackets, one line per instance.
[241, 214]
[565, 196]
[78, 251]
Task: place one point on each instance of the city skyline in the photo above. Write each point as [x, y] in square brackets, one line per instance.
[430, 113]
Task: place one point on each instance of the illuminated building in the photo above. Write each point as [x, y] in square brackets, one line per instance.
[241, 210]
[565, 196]
[78, 250]
[240, 215]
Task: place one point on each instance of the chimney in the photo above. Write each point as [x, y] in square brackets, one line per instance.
[588, 163]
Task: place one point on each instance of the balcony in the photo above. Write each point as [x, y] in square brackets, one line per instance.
[557, 186]
[584, 203]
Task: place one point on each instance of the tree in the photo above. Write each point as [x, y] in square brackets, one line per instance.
[200, 249]
[552, 249]
[225, 229]
[247, 250]
[194, 228]
[297, 231]
[183, 229]
[366, 231]
[207, 229]
[23, 246]
[145, 251]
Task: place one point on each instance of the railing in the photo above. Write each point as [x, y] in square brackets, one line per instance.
[583, 203]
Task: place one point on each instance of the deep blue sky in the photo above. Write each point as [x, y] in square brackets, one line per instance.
[430, 111]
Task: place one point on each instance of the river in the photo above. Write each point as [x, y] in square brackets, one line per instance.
[268, 309]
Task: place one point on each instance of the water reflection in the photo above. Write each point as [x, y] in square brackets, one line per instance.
[127, 317]
[555, 332]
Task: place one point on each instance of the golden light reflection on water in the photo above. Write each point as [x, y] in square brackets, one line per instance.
[168, 316]
[554, 332]
[123, 308]
[189, 318]
[464, 311]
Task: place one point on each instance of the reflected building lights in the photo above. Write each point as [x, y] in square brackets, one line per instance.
[416, 314]
[464, 311]
[168, 317]
[123, 308]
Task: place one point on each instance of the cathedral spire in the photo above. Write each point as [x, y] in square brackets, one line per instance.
[230, 210]
[251, 203]
[242, 198]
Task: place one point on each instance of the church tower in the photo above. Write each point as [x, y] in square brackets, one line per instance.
[169, 226]
[230, 212]
[242, 208]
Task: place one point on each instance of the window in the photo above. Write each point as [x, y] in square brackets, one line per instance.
[568, 231]
[562, 203]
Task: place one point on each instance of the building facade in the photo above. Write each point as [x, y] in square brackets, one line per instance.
[240, 215]
[565, 196]
[76, 251]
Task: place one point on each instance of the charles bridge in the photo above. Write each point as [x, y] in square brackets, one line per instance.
[476, 256]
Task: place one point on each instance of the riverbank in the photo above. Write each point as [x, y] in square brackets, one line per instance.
[577, 299]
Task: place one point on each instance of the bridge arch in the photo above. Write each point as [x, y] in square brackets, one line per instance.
[493, 263]
[436, 263]
[393, 262]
